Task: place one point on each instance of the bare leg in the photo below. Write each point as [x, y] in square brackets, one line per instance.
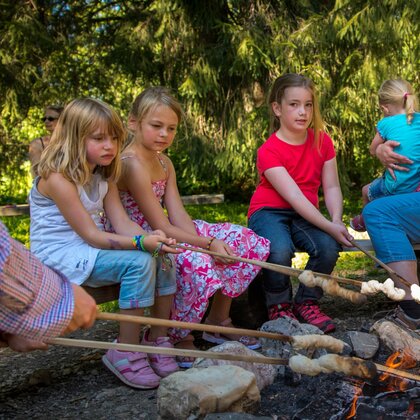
[408, 270]
[220, 308]
[161, 309]
[129, 331]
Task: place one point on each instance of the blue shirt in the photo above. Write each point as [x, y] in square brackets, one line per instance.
[396, 128]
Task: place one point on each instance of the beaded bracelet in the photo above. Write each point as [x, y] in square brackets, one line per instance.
[138, 242]
[210, 242]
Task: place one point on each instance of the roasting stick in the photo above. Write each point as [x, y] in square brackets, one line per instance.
[349, 365]
[71, 342]
[290, 271]
[298, 342]
[397, 372]
[387, 268]
[145, 320]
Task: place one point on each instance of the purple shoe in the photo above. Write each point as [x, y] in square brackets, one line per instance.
[162, 364]
[132, 368]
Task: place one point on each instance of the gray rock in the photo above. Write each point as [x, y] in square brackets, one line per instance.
[196, 392]
[264, 373]
[364, 345]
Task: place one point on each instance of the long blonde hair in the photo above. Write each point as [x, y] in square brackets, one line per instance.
[66, 151]
[277, 93]
[148, 101]
[400, 93]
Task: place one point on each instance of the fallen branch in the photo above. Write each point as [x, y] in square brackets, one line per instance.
[299, 342]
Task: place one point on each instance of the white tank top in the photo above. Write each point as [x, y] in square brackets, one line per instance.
[53, 240]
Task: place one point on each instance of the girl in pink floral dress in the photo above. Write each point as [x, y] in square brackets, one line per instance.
[148, 187]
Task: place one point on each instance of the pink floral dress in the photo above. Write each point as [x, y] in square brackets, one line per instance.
[198, 276]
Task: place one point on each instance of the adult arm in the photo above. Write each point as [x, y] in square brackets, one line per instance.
[377, 140]
[390, 159]
[36, 303]
[289, 190]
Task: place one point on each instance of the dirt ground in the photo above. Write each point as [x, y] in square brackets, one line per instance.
[67, 382]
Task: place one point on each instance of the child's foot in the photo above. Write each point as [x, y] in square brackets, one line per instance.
[187, 343]
[310, 313]
[217, 338]
[280, 310]
[132, 368]
[162, 364]
[358, 224]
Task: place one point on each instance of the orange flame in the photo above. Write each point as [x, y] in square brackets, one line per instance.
[357, 392]
[399, 359]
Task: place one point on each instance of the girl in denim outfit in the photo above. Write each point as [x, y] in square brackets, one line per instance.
[68, 200]
[292, 164]
[402, 124]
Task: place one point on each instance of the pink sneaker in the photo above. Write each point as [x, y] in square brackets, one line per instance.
[310, 313]
[281, 310]
[162, 364]
[132, 368]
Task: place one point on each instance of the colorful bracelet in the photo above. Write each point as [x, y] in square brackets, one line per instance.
[138, 242]
[210, 242]
[155, 253]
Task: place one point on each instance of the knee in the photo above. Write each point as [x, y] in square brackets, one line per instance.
[281, 255]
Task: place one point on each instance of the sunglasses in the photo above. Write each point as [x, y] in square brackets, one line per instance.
[49, 119]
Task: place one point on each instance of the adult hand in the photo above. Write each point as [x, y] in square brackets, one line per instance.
[391, 160]
[21, 344]
[222, 248]
[85, 310]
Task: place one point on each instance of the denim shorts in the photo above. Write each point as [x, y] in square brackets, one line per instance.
[393, 224]
[140, 275]
[377, 189]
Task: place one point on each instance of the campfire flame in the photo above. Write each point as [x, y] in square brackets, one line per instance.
[400, 360]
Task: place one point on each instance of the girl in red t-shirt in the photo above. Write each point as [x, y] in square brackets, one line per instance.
[293, 163]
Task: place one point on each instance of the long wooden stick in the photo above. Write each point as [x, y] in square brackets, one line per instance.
[198, 353]
[397, 372]
[191, 326]
[394, 275]
[290, 271]
[168, 351]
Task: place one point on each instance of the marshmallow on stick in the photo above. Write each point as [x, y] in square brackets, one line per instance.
[415, 292]
[333, 363]
[372, 287]
[331, 287]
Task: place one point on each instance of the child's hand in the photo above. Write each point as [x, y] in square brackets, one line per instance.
[160, 243]
[222, 248]
[340, 233]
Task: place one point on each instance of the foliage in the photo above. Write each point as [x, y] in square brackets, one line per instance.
[219, 57]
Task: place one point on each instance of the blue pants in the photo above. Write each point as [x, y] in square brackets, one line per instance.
[287, 231]
[139, 274]
[393, 223]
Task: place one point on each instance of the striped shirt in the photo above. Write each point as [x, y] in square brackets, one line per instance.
[35, 301]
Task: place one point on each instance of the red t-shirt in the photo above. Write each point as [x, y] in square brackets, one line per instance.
[303, 162]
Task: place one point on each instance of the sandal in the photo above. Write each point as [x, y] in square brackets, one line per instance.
[186, 343]
[217, 338]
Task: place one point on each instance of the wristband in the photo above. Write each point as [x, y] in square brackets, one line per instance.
[138, 242]
[210, 242]
[155, 253]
